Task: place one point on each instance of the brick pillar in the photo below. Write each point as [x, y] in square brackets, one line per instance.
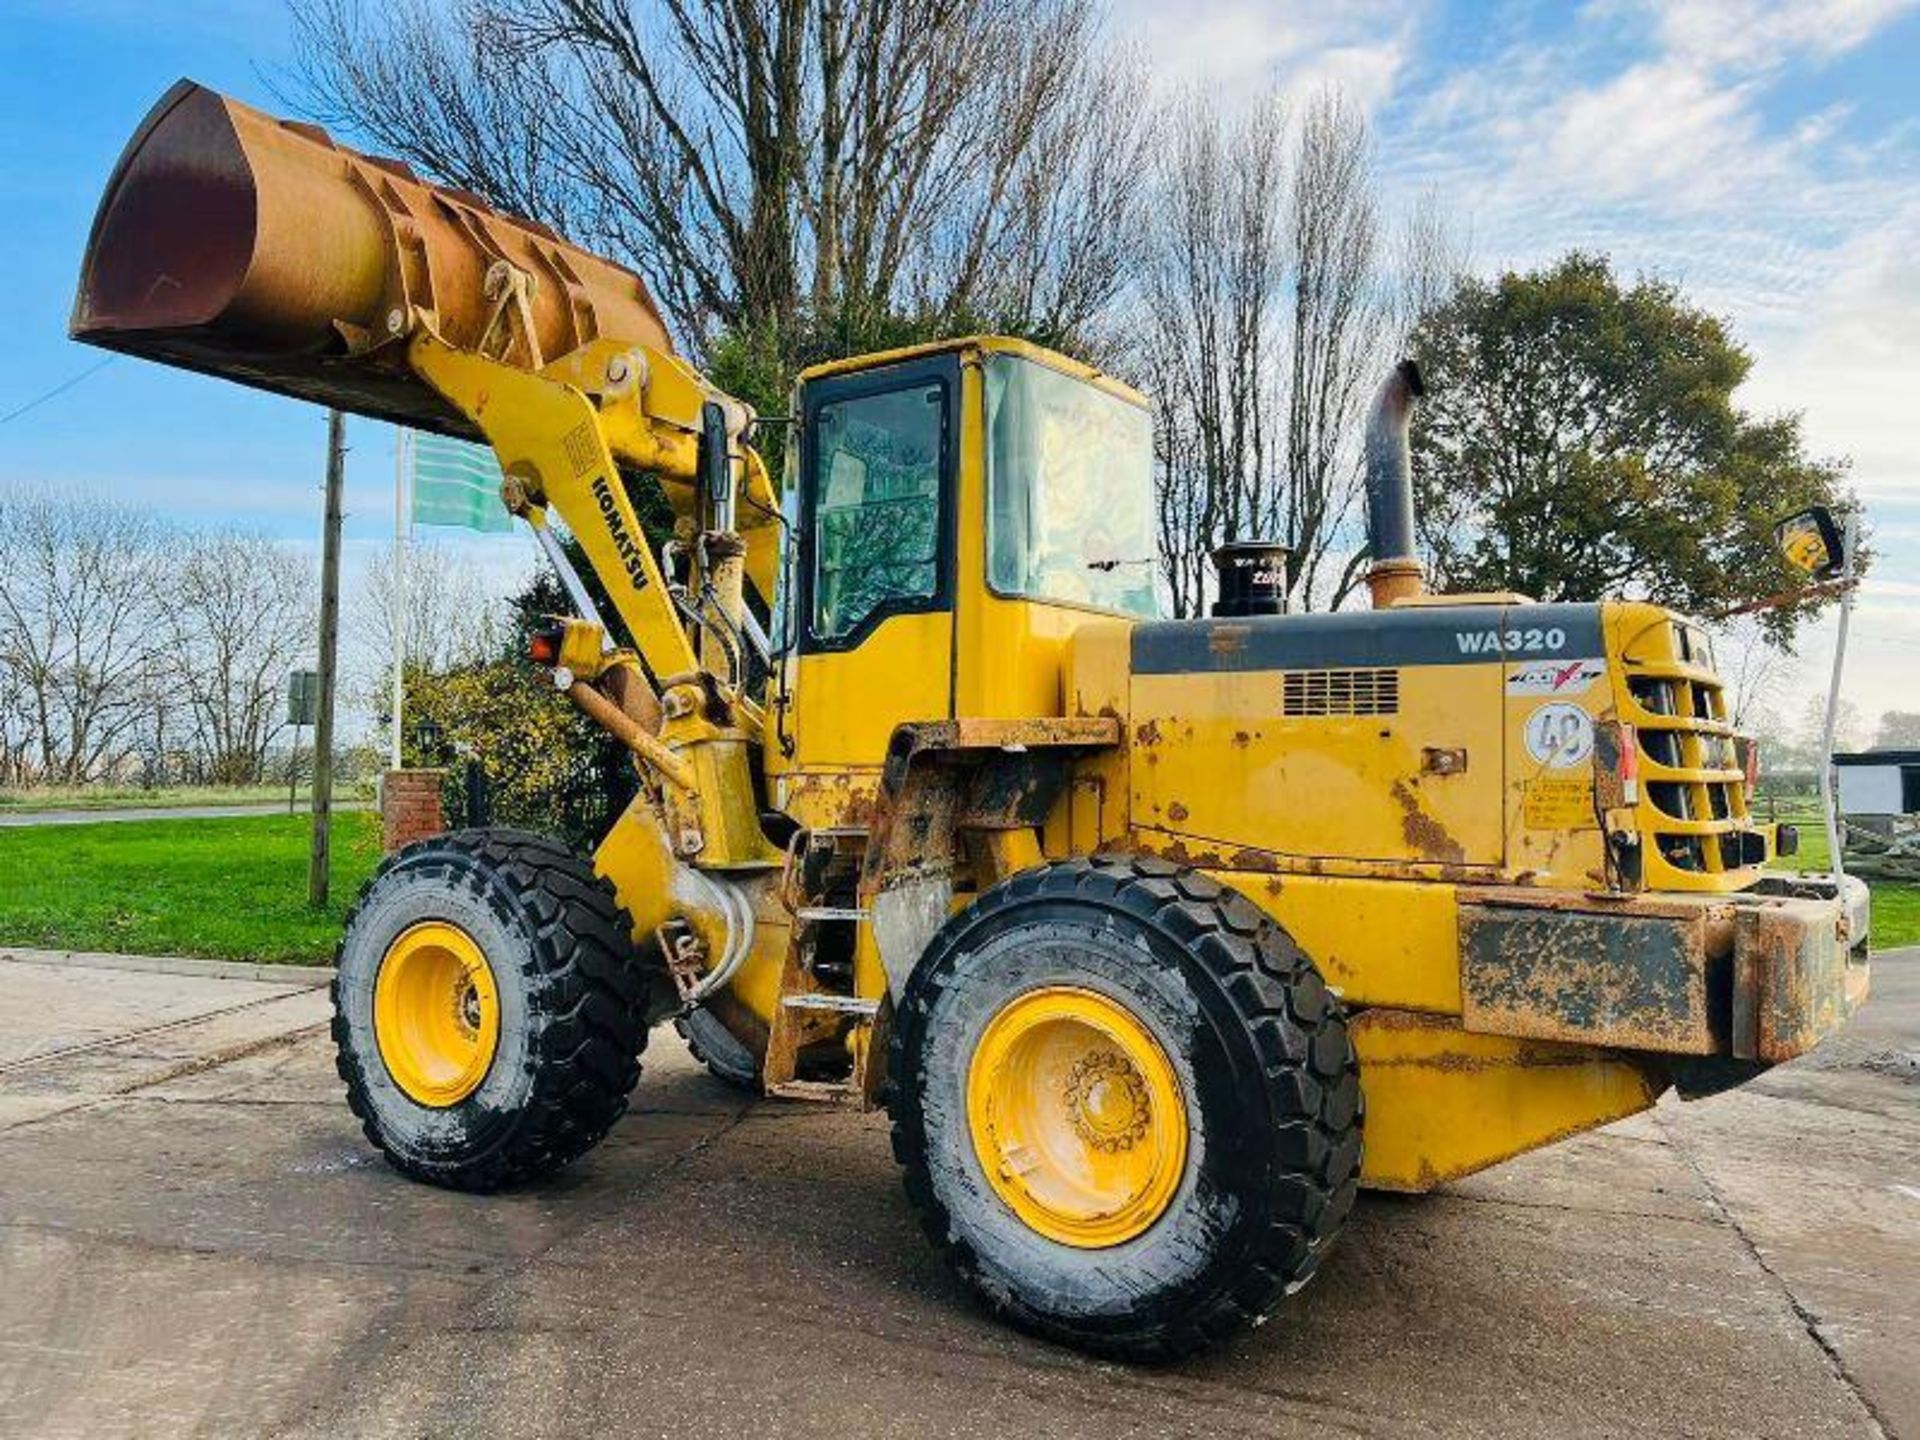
[410, 807]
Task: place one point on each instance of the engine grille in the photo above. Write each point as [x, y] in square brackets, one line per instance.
[1341, 692]
[1693, 806]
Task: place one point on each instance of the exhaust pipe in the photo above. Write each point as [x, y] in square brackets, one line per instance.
[1395, 572]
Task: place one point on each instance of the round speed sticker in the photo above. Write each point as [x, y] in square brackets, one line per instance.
[1560, 735]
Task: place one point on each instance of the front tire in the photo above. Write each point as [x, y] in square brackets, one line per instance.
[1127, 1106]
[489, 1011]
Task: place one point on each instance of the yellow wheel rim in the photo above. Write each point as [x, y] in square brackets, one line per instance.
[1077, 1117]
[436, 1013]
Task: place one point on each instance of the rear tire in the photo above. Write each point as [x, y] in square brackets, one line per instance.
[715, 1046]
[1263, 1112]
[565, 1017]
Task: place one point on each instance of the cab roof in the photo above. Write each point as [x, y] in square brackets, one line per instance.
[979, 345]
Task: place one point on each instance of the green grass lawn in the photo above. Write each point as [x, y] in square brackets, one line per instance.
[1896, 903]
[230, 889]
[132, 797]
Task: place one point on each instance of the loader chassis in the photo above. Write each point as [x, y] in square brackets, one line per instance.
[1137, 926]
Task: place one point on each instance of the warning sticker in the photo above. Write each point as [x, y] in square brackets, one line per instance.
[1554, 677]
[1559, 802]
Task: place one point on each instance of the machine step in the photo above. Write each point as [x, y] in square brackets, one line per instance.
[821, 1000]
[830, 912]
[830, 1092]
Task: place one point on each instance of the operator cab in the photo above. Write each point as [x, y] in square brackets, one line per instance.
[976, 501]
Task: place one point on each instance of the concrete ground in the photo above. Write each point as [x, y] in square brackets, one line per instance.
[195, 1239]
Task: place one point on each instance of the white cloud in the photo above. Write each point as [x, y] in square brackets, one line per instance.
[1659, 127]
[1242, 51]
[1718, 33]
[1846, 357]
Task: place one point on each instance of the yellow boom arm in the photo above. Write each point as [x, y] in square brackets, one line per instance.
[259, 250]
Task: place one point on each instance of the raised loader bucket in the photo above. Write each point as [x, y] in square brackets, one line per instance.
[258, 250]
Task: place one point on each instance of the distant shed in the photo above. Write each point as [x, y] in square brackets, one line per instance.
[1879, 782]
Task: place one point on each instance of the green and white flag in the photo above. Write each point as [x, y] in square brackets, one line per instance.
[455, 483]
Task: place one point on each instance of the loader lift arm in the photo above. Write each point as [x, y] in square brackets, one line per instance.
[563, 435]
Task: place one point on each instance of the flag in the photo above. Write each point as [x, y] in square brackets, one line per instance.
[455, 483]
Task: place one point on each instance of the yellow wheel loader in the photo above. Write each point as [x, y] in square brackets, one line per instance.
[1136, 926]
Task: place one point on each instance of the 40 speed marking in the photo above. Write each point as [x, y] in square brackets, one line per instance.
[1559, 735]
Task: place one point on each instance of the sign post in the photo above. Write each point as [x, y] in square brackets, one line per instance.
[303, 706]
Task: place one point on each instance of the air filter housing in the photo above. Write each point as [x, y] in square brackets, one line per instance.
[1253, 578]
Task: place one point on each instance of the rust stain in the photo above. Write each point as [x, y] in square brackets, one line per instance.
[1452, 1062]
[1147, 734]
[1794, 981]
[1176, 812]
[1228, 639]
[1585, 978]
[1242, 739]
[1424, 833]
[1249, 858]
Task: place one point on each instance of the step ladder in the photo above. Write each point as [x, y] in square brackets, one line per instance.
[819, 887]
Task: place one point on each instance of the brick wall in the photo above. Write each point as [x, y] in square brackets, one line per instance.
[410, 807]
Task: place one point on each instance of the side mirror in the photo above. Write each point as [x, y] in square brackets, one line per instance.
[1810, 541]
[714, 462]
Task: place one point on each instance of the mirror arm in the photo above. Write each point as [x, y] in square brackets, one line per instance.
[1819, 590]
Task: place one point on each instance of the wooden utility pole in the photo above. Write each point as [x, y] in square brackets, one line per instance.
[319, 865]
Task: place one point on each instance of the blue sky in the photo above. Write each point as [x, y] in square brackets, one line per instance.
[79, 75]
[1767, 156]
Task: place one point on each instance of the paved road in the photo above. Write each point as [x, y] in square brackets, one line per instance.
[193, 1238]
[17, 819]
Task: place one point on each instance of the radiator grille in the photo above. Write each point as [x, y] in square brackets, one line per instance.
[1341, 692]
[1693, 805]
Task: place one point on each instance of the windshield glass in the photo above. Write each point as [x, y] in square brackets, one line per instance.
[876, 488]
[1070, 491]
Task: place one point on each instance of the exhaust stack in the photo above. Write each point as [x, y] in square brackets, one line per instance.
[1395, 573]
[258, 250]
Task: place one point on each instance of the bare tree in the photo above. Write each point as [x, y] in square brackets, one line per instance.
[78, 610]
[18, 758]
[1213, 294]
[240, 614]
[1899, 730]
[449, 618]
[1340, 320]
[1849, 729]
[1750, 664]
[1274, 304]
[1431, 255]
[760, 158]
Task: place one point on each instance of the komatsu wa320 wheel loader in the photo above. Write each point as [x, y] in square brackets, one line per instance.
[1132, 924]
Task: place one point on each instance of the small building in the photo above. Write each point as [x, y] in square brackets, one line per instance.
[1879, 782]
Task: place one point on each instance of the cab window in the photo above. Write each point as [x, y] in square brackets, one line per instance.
[876, 468]
[1070, 514]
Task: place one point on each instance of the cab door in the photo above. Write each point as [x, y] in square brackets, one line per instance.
[872, 614]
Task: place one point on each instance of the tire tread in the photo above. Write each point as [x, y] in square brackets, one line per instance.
[1297, 1028]
[581, 972]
